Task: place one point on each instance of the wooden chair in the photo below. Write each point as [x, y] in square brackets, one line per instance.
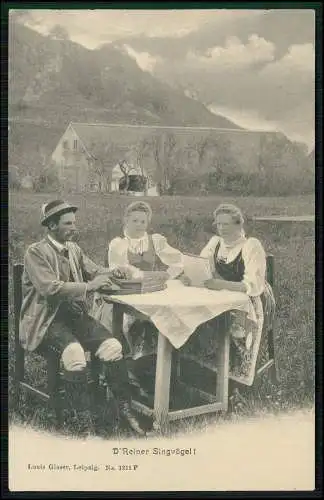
[271, 364]
[52, 395]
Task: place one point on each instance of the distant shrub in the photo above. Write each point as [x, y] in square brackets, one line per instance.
[21, 105]
[13, 178]
[47, 180]
[246, 184]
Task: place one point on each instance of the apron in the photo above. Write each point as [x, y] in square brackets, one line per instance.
[147, 261]
[244, 356]
[142, 335]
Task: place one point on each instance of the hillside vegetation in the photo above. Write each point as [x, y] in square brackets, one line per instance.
[55, 81]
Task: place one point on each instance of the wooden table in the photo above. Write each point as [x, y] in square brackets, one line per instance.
[161, 412]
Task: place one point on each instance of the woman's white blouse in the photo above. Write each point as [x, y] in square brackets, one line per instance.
[118, 253]
[254, 258]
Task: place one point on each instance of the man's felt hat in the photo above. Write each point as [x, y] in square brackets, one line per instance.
[55, 207]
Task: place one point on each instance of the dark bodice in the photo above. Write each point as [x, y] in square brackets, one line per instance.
[147, 261]
[229, 271]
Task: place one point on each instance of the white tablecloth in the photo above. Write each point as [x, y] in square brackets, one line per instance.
[178, 310]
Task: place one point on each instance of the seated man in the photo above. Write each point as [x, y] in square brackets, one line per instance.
[56, 281]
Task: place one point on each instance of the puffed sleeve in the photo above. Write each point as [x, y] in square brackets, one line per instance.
[209, 250]
[117, 257]
[254, 257]
[169, 255]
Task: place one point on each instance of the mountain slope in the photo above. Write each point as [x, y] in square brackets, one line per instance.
[60, 81]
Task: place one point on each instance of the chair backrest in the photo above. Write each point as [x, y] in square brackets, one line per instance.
[17, 277]
[19, 350]
[270, 270]
[106, 263]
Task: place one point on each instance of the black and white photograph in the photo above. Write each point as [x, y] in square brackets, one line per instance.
[161, 291]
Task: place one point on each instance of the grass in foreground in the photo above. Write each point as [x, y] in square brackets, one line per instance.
[186, 222]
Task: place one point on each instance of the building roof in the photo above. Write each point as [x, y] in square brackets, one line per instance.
[104, 128]
[98, 138]
[91, 133]
[94, 133]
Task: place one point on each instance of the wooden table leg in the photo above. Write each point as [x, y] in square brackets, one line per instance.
[117, 321]
[162, 384]
[223, 370]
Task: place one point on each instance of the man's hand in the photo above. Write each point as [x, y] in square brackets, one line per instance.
[102, 281]
[215, 284]
[122, 272]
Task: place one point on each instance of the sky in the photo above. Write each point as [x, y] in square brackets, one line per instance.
[255, 67]
[92, 27]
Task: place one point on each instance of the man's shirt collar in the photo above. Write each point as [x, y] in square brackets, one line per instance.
[59, 246]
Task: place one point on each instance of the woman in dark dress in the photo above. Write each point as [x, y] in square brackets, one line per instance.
[239, 264]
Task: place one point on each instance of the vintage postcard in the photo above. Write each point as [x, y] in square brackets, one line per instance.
[161, 250]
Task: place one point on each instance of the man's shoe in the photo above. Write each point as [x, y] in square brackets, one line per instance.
[127, 415]
[83, 424]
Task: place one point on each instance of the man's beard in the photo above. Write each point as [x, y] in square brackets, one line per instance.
[74, 236]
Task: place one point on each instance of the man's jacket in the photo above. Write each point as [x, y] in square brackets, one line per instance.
[45, 286]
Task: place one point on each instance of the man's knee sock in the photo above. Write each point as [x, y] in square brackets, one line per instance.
[78, 397]
[117, 379]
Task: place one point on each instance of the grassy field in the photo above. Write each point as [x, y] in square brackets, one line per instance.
[186, 221]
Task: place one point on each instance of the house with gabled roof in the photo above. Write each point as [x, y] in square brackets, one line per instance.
[88, 155]
[88, 158]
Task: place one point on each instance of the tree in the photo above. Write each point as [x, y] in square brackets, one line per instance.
[200, 148]
[104, 157]
[215, 163]
[140, 151]
[125, 168]
[168, 158]
[47, 178]
[204, 161]
[13, 177]
[283, 165]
